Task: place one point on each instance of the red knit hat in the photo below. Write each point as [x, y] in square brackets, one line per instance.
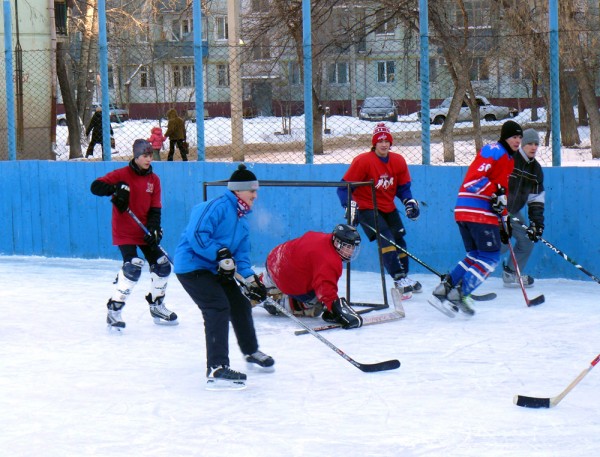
[381, 132]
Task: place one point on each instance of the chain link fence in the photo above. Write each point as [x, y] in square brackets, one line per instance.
[354, 90]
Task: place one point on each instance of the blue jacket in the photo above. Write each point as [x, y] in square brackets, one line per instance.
[213, 225]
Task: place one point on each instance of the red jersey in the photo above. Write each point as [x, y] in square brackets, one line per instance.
[144, 193]
[491, 167]
[305, 264]
[387, 177]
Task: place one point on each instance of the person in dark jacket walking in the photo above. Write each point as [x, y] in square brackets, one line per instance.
[137, 188]
[213, 250]
[525, 187]
[95, 127]
[176, 134]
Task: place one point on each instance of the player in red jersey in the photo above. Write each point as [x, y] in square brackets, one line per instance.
[307, 269]
[482, 200]
[392, 180]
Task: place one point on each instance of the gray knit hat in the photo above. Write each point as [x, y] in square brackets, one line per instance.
[141, 147]
[242, 179]
[530, 136]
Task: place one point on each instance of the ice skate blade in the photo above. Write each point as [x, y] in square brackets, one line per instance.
[444, 307]
[516, 285]
[159, 321]
[225, 384]
[258, 369]
[115, 328]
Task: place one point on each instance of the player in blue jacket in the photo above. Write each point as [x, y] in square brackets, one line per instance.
[215, 246]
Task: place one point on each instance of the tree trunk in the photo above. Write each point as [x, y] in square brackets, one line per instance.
[69, 102]
[568, 125]
[88, 63]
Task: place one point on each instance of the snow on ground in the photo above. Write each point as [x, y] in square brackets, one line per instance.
[262, 130]
[68, 387]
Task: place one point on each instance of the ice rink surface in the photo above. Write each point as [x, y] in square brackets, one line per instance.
[70, 388]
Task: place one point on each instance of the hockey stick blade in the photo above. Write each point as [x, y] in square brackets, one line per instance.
[536, 301]
[484, 297]
[380, 366]
[531, 402]
[535, 402]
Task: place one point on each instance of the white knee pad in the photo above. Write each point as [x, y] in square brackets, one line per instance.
[159, 276]
[127, 279]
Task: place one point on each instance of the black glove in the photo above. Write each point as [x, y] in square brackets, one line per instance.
[505, 234]
[256, 289]
[412, 209]
[352, 213]
[226, 264]
[120, 196]
[153, 238]
[499, 200]
[535, 231]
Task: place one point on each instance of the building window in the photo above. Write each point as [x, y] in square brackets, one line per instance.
[181, 28]
[338, 73]
[222, 28]
[294, 73]
[147, 77]
[261, 49]
[183, 75]
[478, 14]
[223, 75]
[386, 71]
[479, 70]
[385, 25]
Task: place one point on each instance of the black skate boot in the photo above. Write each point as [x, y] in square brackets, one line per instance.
[160, 313]
[222, 377]
[260, 360]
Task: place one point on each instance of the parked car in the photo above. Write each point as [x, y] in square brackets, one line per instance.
[116, 115]
[487, 111]
[378, 109]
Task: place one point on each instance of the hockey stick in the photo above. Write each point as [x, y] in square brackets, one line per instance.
[147, 232]
[561, 253]
[535, 301]
[484, 297]
[535, 402]
[364, 367]
[377, 319]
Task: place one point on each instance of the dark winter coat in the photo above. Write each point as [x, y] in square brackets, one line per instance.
[526, 186]
[175, 126]
[95, 126]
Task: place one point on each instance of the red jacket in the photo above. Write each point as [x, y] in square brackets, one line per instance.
[144, 194]
[157, 138]
[491, 167]
[305, 264]
[388, 177]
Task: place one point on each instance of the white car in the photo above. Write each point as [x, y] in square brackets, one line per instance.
[487, 111]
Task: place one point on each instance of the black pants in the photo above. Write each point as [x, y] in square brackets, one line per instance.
[221, 301]
[182, 150]
[90, 149]
[391, 227]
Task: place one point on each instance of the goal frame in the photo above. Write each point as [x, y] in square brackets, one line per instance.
[335, 184]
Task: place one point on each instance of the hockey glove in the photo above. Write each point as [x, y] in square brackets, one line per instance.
[256, 289]
[120, 196]
[153, 238]
[225, 264]
[504, 234]
[499, 200]
[411, 207]
[535, 231]
[344, 314]
[352, 214]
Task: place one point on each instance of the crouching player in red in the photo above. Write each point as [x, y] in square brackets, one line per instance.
[307, 270]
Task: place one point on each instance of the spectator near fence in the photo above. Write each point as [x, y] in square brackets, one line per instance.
[177, 135]
[95, 127]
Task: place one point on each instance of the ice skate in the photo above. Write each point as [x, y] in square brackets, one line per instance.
[404, 286]
[439, 298]
[462, 302]
[224, 378]
[113, 317]
[510, 279]
[261, 361]
[160, 313]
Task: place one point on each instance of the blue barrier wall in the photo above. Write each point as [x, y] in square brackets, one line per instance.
[47, 209]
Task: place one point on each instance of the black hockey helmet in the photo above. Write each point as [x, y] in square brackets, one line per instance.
[346, 241]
